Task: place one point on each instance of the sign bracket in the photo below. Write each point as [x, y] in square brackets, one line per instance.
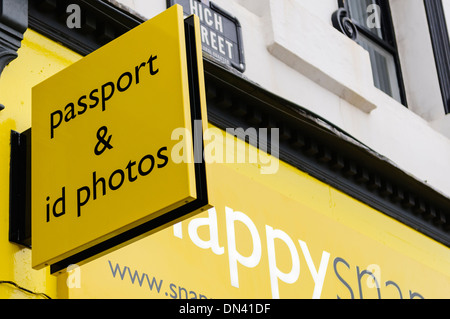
[20, 189]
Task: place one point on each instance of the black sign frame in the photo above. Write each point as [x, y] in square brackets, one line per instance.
[239, 62]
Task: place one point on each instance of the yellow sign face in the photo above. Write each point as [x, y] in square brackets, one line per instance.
[102, 141]
[281, 235]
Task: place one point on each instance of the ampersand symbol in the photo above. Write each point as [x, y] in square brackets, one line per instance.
[102, 142]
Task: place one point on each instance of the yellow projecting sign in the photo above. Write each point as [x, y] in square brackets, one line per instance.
[102, 170]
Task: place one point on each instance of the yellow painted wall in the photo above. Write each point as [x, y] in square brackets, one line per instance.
[38, 59]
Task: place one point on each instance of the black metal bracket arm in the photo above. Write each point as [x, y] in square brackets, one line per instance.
[20, 189]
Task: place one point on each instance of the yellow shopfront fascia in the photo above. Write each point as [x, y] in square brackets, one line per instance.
[102, 137]
[281, 235]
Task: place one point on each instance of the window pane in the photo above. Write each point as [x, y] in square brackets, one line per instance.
[366, 16]
[383, 68]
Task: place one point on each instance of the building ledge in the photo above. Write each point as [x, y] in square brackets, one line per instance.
[321, 53]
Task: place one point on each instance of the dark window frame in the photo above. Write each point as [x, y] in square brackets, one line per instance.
[441, 46]
[389, 43]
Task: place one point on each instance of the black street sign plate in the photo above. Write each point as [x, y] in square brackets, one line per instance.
[220, 31]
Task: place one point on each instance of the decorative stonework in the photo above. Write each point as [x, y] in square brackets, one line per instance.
[13, 23]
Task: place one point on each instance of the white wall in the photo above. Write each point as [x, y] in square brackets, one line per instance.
[146, 8]
[292, 50]
[446, 4]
